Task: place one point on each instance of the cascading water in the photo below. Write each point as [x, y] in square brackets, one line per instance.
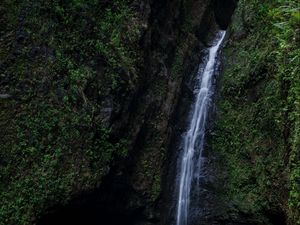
[193, 139]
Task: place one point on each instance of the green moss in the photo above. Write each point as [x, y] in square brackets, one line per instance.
[56, 150]
[53, 140]
[156, 187]
[257, 135]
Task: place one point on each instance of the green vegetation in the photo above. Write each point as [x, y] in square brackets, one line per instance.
[60, 61]
[257, 133]
[65, 65]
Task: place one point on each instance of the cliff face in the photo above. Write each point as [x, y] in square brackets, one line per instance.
[257, 129]
[87, 93]
[92, 92]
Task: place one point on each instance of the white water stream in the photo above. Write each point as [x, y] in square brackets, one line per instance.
[193, 139]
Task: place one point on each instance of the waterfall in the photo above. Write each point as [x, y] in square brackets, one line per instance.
[193, 139]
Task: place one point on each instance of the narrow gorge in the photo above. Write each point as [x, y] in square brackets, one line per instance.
[144, 112]
[192, 146]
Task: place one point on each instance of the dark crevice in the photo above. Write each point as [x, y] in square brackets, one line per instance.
[224, 10]
[104, 206]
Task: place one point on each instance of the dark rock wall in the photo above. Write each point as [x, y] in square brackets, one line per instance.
[177, 34]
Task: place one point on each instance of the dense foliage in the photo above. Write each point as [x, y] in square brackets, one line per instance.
[59, 62]
[257, 132]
